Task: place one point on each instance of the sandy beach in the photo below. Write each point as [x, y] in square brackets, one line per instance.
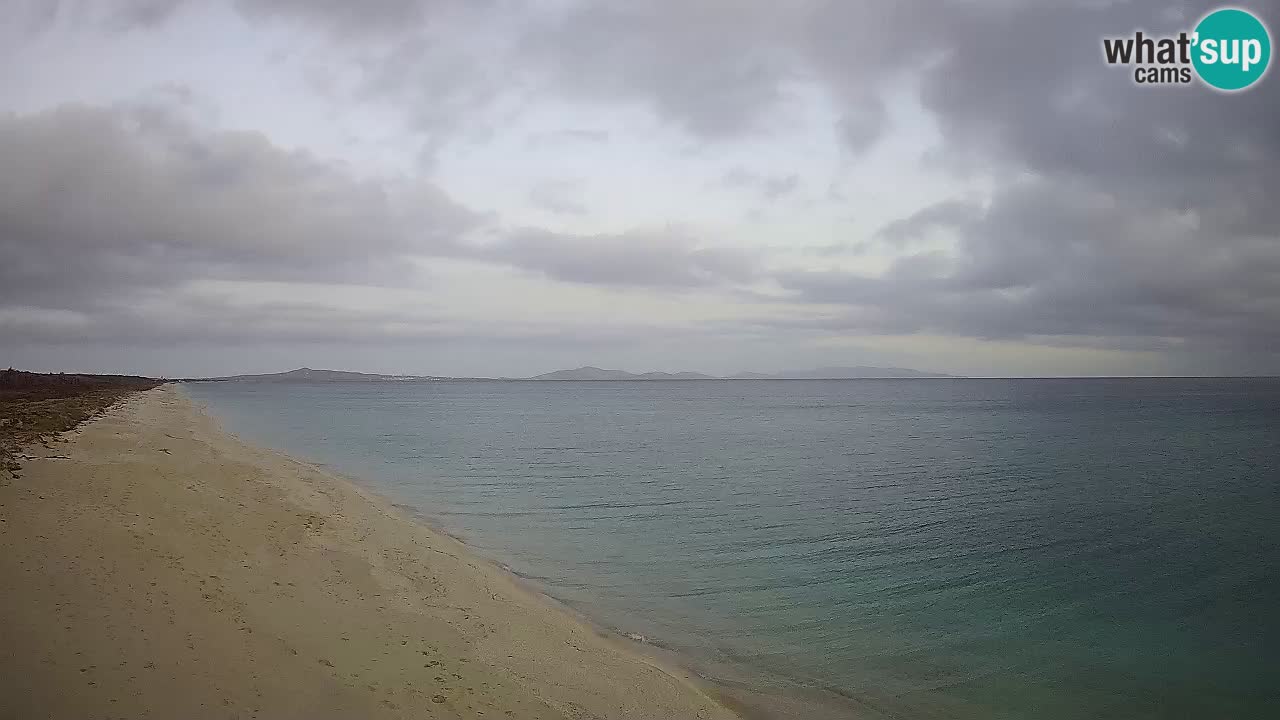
[155, 566]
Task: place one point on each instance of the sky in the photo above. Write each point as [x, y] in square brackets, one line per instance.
[502, 188]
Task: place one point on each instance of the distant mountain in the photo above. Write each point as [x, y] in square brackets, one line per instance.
[587, 373]
[595, 373]
[686, 375]
[825, 373]
[859, 371]
[309, 375]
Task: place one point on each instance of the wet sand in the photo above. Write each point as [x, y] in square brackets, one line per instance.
[156, 566]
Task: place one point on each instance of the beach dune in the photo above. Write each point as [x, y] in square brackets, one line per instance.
[155, 566]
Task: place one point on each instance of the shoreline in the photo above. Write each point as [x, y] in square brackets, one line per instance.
[342, 605]
[735, 687]
[657, 655]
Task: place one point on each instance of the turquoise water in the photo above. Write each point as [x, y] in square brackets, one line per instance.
[929, 548]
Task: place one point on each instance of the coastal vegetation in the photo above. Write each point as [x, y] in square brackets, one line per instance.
[35, 407]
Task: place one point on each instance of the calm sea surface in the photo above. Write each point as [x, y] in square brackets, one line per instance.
[929, 548]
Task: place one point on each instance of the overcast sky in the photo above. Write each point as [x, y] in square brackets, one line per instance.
[493, 187]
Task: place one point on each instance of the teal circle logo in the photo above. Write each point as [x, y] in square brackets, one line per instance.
[1232, 49]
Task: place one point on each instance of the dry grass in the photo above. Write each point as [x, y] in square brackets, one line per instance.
[36, 407]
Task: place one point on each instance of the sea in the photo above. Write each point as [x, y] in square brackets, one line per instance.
[916, 548]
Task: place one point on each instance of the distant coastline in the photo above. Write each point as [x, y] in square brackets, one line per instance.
[587, 374]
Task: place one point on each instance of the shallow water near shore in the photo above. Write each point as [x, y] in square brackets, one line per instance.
[926, 548]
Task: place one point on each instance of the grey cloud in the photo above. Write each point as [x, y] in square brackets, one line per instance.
[345, 17]
[862, 124]
[949, 214]
[339, 16]
[1119, 211]
[1150, 217]
[1148, 214]
[187, 318]
[1049, 260]
[770, 187]
[716, 68]
[653, 259]
[96, 201]
[441, 64]
[1014, 96]
[1017, 86]
[572, 135]
[109, 213]
[40, 15]
[776, 187]
[722, 69]
[219, 321]
[562, 197]
[145, 13]
[996, 73]
[712, 67]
